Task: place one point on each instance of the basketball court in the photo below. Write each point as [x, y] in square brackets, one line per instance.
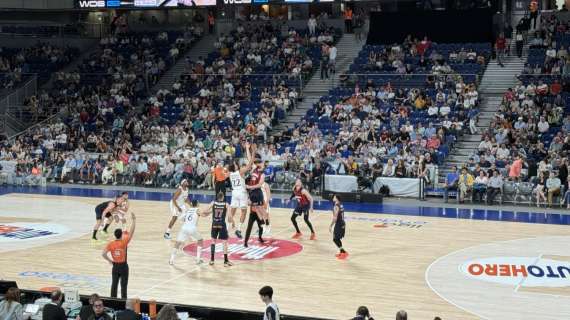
[467, 263]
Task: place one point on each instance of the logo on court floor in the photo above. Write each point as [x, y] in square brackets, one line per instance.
[519, 271]
[271, 249]
[28, 231]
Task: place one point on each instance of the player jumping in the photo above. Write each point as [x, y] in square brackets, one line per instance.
[239, 193]
[304, 207]
[339, 227]
[177, 205]
[189, 230]
[219, 209]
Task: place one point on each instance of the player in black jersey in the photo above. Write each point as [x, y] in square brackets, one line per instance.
[339, 226]
[105, 210]
[219, 210]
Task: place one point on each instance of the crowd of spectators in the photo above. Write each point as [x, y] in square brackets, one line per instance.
[40, 59]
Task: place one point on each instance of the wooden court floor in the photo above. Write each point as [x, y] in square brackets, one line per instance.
[386, 270]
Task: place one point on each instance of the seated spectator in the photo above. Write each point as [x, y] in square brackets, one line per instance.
[540, 190]
[553, 185]
[362, 313]
[494, 187]
[451, 183]
[99, 311]
[10, 307]
[480, 186]
[465, 184]
[167, 312]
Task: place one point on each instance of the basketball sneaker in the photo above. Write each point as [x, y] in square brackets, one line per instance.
[313, 236]
[297, 235]
[167, 236]
[228, 264]
[238, 234]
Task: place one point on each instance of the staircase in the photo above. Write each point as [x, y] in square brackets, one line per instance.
[347, 49]
[201, 49]
[495, 82]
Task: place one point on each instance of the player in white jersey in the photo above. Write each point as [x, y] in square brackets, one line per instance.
[189, 230]
[266, 198]
[177, 205]
[120, 213]
[239, 192]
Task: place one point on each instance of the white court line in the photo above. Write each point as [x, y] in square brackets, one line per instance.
[524, 278]
[317, 214]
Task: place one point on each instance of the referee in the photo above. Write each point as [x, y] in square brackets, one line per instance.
[118, 258]
[220, 175]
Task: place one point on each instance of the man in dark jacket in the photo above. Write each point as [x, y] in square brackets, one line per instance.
[53, 310]
[128, 313]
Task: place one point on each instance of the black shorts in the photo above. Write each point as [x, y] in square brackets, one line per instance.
[220, 232]
[299, 210]
[256, 197]
[99, 214]
[339, 231]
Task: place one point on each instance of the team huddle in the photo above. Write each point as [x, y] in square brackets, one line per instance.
[249, 191]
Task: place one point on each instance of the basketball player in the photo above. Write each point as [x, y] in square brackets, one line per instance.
[189, 229]
[304, 206]
[119, 215]
[253, 217]
[239, 193]
[219, 209]
[339, 227]
[177, 205]
[256, 198]
[104, 209]
[271, 309]
[266, 198]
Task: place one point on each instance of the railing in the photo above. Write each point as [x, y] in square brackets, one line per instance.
[80, 30]
[16, 99]
[258, 80]
[400, 80]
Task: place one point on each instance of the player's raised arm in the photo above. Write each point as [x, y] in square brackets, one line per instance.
[249, 156]
[133, 226]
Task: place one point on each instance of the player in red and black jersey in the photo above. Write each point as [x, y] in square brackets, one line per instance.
[254, 185]
[339, 225]
[304, 206]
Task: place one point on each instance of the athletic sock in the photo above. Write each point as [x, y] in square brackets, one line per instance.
[94, 235]
[198, 253]
[173, 254]
[167, 230]
[342, 250]
[239, 226]
[212, 251]
[106, 227]
[226, 257]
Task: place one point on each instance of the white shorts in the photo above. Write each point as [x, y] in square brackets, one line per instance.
[239, 200]
[175, 211]
[186, 233]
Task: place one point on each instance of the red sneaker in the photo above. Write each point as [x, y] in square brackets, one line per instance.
[343, 255]
[313, 236]
[297, 235]
[338, 254]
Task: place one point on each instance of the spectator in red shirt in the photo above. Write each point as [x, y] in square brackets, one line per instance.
[500, 46]
[555, 88]
[423, 46]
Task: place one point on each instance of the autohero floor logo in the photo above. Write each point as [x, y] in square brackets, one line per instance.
[68, 280]
[28, 231]
[389, 222]
[519, 271]
[270, 249]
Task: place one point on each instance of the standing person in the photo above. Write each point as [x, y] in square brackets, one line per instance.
[508, 31]
[519, 42]
[332, 58]
[254, 185]
[324, 62]
[211, 22]
[533, 9]
[118, 250]
[253, 217]
[10, 307]
[239, 193]
[348, 20]
[500, 45]
[220, 175]
[104, 209]
[177, 205]
[53, 310]
[271, 309]
[339, 227]
[219, 209]
[120, 214]
[312, 25]
[304, 206]
[189, 230]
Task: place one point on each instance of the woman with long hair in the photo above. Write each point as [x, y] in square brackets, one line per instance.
[168, 312]
[10, 307]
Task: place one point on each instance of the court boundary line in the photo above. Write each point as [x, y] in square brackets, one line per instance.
[426, 278]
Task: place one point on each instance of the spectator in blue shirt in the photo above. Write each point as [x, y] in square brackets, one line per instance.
[269, 171]
[450, 182]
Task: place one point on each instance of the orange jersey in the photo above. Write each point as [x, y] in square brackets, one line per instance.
[118, 248]
[220, 174]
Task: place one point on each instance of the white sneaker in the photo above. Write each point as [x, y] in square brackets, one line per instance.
[171, 262]
[199, 262]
